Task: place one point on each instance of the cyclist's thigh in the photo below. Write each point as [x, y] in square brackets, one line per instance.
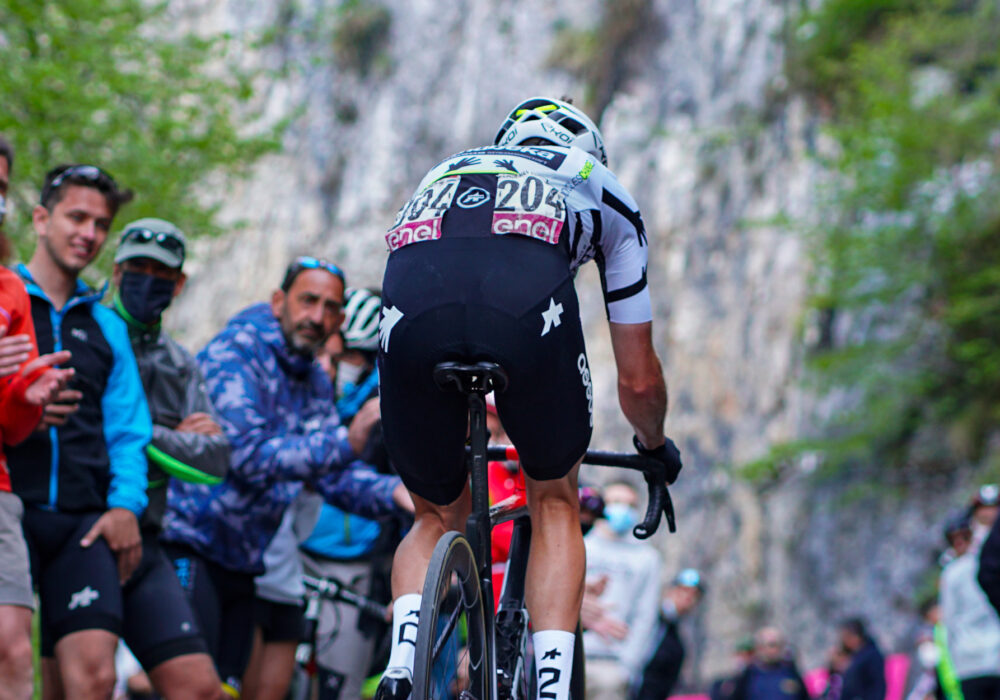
[78, 587]
[547, 409]
[424, 427]
[159, 623]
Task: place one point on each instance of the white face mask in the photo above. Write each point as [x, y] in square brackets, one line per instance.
[347, 376]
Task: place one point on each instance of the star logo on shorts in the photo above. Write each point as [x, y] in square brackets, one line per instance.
[551, 317]
[83, 598]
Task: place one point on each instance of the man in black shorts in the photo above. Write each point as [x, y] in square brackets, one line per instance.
[82, 476]
[481, 268]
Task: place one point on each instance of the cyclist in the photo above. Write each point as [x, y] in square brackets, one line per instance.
[83, 477]
[480, 267]
[275, 405]
[25, 386]
[188, 444]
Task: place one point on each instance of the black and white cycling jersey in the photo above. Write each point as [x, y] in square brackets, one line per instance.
[562, 196]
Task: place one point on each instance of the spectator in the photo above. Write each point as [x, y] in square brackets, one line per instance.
[934, 677]
[983, 512]
[772, 675]
[664, 667]
[25, 387]
[864, 677]
[629, 597]
[723, 688]
[188, 444]
[970, 622]
[82, 478]
[275, 405]
[341, 545]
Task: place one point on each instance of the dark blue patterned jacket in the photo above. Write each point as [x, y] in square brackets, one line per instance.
[277, 410]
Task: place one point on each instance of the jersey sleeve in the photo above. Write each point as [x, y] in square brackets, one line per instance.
[623, 256]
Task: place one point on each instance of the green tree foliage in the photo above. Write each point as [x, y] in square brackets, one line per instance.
[114, 83]
[910, 245]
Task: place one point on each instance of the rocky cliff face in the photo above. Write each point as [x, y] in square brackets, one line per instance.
[717, 157]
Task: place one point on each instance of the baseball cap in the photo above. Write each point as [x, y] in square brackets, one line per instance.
[152, 238]
[690, 578]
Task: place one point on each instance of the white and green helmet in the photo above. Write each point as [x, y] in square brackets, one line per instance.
[552, 121]
[361, 315]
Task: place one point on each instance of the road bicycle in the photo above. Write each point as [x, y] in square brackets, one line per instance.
[463, 650]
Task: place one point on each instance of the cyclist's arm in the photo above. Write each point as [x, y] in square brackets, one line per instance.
[642, 391]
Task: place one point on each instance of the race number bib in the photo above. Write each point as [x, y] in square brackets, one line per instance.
[420, 218]
[527, 205]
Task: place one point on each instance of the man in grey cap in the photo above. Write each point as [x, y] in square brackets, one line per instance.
[188, 444]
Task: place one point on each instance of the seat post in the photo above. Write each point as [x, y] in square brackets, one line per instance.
[478, 524]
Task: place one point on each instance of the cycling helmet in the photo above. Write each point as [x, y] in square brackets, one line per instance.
[361, 316]
[553, 121]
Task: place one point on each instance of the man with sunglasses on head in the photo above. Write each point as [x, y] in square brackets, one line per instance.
[82, 476]
[275, 404]
[188, 444]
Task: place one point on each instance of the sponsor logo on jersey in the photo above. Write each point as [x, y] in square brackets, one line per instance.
[544, 228]
[473, 197]
[581, 365]
[83, 598]
[426, 230]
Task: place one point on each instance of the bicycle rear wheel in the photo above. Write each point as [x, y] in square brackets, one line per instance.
[451, 653]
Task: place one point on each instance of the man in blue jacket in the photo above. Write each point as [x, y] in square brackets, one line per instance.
[82, 477]
[275, 405]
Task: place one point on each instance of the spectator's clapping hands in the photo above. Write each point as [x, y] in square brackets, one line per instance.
[594, 615]
[14, 350]
[47, 386]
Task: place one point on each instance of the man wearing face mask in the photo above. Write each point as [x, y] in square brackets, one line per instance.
[188, 444]
[630, 570]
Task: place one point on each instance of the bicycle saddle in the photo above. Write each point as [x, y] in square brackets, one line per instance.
[480, 377]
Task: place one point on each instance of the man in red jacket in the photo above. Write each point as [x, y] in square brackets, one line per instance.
[27, 383]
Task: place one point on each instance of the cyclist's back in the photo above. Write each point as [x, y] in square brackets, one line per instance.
[481, 268]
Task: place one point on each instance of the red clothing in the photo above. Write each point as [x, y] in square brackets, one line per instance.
[17, 417]
[502, 484]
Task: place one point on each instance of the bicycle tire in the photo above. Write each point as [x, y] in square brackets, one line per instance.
[451, 595]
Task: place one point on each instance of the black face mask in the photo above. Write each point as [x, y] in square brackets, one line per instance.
[145, 297]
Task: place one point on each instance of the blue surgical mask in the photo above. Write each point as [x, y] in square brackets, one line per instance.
[621, 517]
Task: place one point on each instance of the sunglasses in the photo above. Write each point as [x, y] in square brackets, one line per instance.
[164, 239]
[307, 262]
[90, 173]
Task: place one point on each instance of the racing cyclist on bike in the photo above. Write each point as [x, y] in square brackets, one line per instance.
[481, 267]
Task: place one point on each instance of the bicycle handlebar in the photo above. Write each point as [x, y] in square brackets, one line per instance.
[653, 471]
[334, 590]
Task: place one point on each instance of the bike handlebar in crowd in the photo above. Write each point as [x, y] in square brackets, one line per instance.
[334, 590]
[653, 471]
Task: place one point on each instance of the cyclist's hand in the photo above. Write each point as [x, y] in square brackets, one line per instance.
[14, 350]
[120, 528]
[200, 423]
[666, 453]
[361, 426]
[401, 497]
